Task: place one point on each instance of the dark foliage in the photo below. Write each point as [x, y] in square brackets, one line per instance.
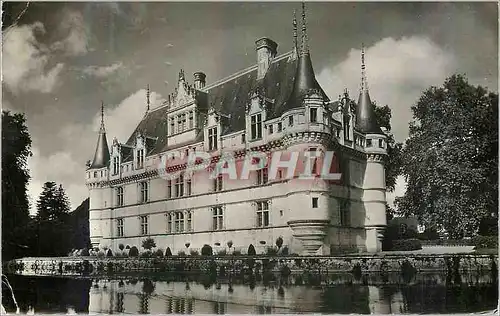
[485, 242]
[168, 252]
[148, 243]
[251, 250]
[16, 148]
[406, 245]
[279, 242]
[134, 252]
[206, 250]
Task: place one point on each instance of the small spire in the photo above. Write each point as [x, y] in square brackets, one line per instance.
[147, 98]
[102, 129]
[304, 48]
[364, 82]
[295, 29]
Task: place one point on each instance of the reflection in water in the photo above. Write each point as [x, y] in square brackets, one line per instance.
[298, 294]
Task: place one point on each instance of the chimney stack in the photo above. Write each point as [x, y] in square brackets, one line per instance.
[266, 51]
[199, 80]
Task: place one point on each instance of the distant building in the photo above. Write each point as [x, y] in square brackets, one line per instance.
[275, 105]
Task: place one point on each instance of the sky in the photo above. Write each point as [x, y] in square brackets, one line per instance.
[60, 60]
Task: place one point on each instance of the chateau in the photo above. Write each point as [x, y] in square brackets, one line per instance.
[275, 105]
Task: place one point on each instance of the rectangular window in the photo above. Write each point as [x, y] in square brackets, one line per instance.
[314, 163]
[119, 196]
[368, 143]
[116, 165]
[119, 227]
[169, 189]
[218, 183]
[189, 221]
[256, 126]
[191, 119]
[183, 121]
[315, 202]
[313, 114]
[188, 187]
[144, 186]
[270, 127]
[179, 222]
[140, 158]
[242, 138]
[172, 126]
[179, 186]
[262, 176]
[290, 120]
[144, 225]
[217, 218]
[381, 143]
[212, 138]
[179, 123]
[344, 213]
[280, 127]
[263, 214]
[170, 221]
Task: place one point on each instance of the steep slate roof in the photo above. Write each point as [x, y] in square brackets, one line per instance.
[230, 99]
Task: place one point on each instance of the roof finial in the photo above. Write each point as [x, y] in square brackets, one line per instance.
[295, 29]
[147, 98]
[364, 82]
[305, 48]
[102, 116]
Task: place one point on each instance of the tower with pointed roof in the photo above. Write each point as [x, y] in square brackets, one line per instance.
[274, 105]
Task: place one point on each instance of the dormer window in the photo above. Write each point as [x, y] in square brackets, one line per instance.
[368, 143]
[191, 119]
[280, 127]
[116, 165]
[313, 115]
[271, 129]
[140, 158]
[256, 126]
[172, 126]
[290, 120]
[212, 138]
[179, 123]
[381, 143]
[243, 138]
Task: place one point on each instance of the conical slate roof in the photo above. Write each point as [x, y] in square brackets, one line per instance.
[101, 156]
[366, 121]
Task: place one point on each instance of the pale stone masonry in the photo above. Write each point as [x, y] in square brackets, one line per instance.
[275, 105]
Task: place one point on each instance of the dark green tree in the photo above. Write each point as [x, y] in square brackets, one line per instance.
[54, 229]
[16, 148]
[450, 160]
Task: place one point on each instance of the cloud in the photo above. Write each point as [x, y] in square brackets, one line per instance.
[79, 140]
[76, 35]
[398, 71]
[102, 71]
[26, 65]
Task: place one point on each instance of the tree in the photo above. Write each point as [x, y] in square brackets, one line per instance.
[54, 230]
[450, 158]
[16, 148]
[148, 243]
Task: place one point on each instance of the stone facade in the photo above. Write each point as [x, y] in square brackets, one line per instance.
[275, 105]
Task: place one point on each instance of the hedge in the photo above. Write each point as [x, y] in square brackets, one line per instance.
[485, 242]
[406, 244]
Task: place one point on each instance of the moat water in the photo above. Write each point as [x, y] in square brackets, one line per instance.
[334, 295]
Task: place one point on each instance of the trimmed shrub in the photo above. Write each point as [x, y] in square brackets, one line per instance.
[194, 253]
[222, 252]
[285, 251]
[485, 242]
[181, 253]
[134, 252]
[271, 251]
[206, 250]
[237, 253]
[109, 253]
[279, 242]
[148, 243]
[230, 244]
[406, 245]
[100, 254]
[85, 252]
[127, 247]
[168, 252]
[146, 254]
[159, 253]
[121, 247]
[251, 250]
